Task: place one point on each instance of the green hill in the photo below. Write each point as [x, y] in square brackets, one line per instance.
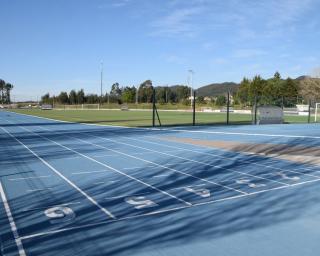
[216, 89]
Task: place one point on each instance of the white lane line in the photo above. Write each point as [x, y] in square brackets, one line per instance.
[244, 134]
[11, 222]
[194, 161]
[141, 129]
[125, 195]
[88, 172]
[223, 157]
[108, 213]
[159, 165]
[48, 206]
[38, 189]
[139, 167]
[165, 210]
[105, 165]
[161, 175]
[30, 178]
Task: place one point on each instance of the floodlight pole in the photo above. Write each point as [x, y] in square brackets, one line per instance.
[228, 107]
[101, 77]
[190, 83]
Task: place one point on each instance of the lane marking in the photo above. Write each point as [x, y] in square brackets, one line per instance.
[194, 161]
[223, 157]
[30, 178]
[112, 128]
[108, 213]
[159, 165]
[38, 189]
[13, 226]
[105, 165]
[165, 210]
[49, 206]
[126, 195]
[88, 172]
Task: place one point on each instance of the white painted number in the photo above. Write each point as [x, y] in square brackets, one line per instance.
[203, 192]
[140, 202]
[286, 177]
[249, 183]
[59, 214]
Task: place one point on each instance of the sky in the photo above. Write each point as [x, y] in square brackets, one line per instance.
[58, 45]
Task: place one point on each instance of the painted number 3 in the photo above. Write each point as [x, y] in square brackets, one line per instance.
[59, 214]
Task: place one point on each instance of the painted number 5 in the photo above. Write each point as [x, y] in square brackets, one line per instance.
[59, 214]
[140, 202]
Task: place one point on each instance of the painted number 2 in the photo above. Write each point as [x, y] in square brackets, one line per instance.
[59, 214]
[140, 202]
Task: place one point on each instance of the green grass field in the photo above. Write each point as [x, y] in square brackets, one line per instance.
[144, 118]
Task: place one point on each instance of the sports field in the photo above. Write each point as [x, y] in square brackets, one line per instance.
[143, 118]
[76, 189]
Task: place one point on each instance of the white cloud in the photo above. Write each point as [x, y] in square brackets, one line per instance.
[177, 23]
[175, 59]
[248, 53]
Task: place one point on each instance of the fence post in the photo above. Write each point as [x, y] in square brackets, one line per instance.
[153, 107]
[255, 109]
[194, 109]
[309, 111]
[228, 107]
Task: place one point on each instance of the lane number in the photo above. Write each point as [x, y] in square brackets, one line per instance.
[203, 192]
[286, 177]
[249, 183]
[140, 202]
[59, 214]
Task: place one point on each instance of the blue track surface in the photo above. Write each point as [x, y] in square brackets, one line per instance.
[74, 189]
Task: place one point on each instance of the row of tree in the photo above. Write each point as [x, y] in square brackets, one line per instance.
[127, 94]
[271, 91]
[274, 91]
[5, 92]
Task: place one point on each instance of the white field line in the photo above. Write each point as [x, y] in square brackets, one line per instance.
[108, 213]
[109, 167]
[13, 226]
[159, 165]
[165, 210]
[144, 160]
[88, 172]
[224, 157]
[194, 161]
[38, 189]
[49, 206]
[179, 130]
[30, 178]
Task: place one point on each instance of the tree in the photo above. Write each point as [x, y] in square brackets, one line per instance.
[8, 87]
[2, 87]
[80, 97]
[73, 97]
[115, 93]
[310, 88]
[146, 91]
[243, 91]
[128, 94]
[63, 98]
[46, 98]
[221, 100]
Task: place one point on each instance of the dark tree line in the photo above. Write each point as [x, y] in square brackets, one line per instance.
[273, 91]
[5, 92]
[123, 94]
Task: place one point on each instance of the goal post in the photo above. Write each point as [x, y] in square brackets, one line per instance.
[316, 112]
[270, 115]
